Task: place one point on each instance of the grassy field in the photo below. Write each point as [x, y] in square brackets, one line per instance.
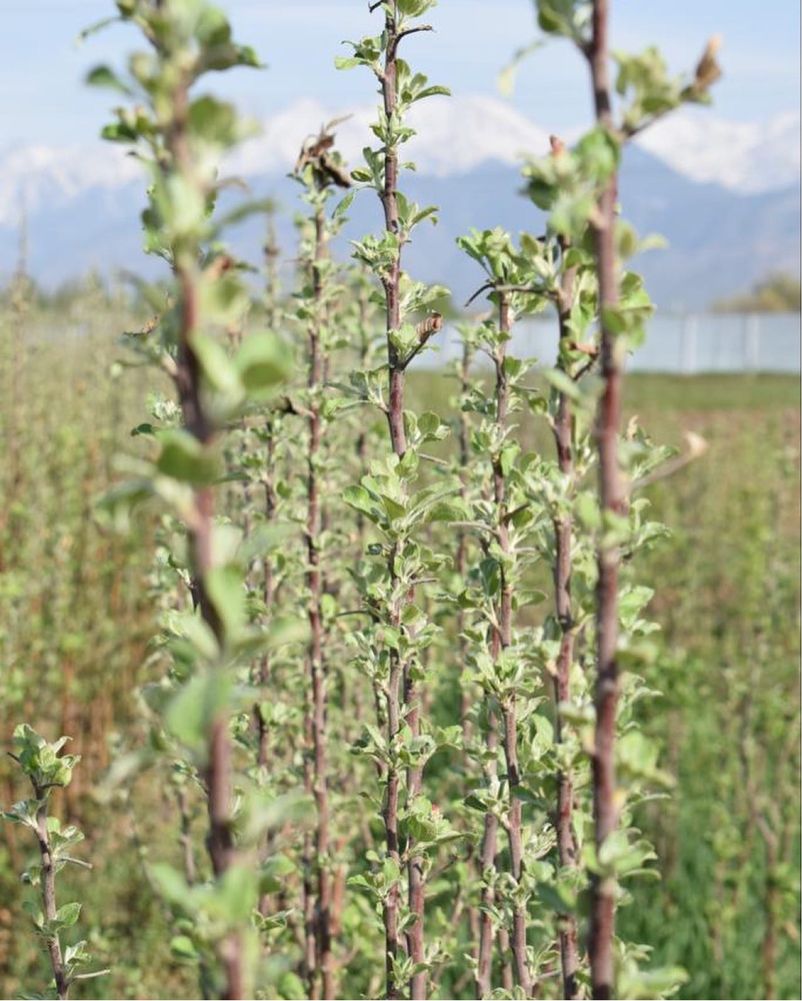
[727, 598]
[75, 617]
[728, 601]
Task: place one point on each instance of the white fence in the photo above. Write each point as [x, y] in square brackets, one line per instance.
[687, 344]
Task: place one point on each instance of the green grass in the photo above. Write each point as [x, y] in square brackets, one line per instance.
[712, 392]
[728, 600]
[727, 597]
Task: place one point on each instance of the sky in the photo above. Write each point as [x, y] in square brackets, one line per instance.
[45, 101]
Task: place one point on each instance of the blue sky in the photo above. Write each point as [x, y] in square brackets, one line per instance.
[42, 68]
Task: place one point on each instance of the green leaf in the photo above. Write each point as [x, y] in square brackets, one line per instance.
[183, 949]
[122, 5]
[170, 884]
[506, 78]
[563, 383]
[599, 154]
[433, 91]
[291, 987]
[445, 511]
[263, 363]
[186, 459]
[201, 702]
[214, 121]
[217, 368]
[104, 76]
[68, 914]
[343, 205]
[262, 814]
[275, 870]
[428, 423]
[226, 592]
[182, 207]
[360, 499]
[394, 509]
[236, 894]
[415, 8]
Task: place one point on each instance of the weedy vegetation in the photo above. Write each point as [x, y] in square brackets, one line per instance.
[373, 700]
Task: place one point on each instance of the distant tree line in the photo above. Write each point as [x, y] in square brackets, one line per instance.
[778, 293]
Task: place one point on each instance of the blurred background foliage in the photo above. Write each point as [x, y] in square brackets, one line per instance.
[779, 293]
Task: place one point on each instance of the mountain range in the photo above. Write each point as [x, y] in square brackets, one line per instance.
[724, 194]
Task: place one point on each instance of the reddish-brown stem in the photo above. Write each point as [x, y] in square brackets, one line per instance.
[320, 972]
[398, 672]
[390, 816]
[461, 565]
[263, 666]
[507, 978]
[49, 906]
[200, 538]
[501, 640]
[362, 437]
[218, 771]
[188, 381]
[415, 876]
[395, 417]
[613, 500]
[563, 534]
[262, 672]
[515, 835]
[484, 969]
[460, 560]
[268, 587]
[185, 837]
[218, 778]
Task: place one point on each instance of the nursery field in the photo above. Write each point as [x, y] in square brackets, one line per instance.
[329, 671]
[78, 615]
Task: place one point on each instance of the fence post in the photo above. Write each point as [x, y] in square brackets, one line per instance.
[752, 353]
[688, 360]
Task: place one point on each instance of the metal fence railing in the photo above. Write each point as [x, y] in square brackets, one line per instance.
[682, 343]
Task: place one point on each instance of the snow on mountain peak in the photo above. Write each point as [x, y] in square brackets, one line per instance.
[33, 178]
[456, 135]
[479, 129]
[749, 157]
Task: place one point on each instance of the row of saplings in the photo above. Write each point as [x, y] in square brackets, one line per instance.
[407, 786]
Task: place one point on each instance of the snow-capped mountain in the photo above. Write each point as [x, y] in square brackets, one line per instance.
[724, 194]
[41, 178]
[748, 157]
[455, 136]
